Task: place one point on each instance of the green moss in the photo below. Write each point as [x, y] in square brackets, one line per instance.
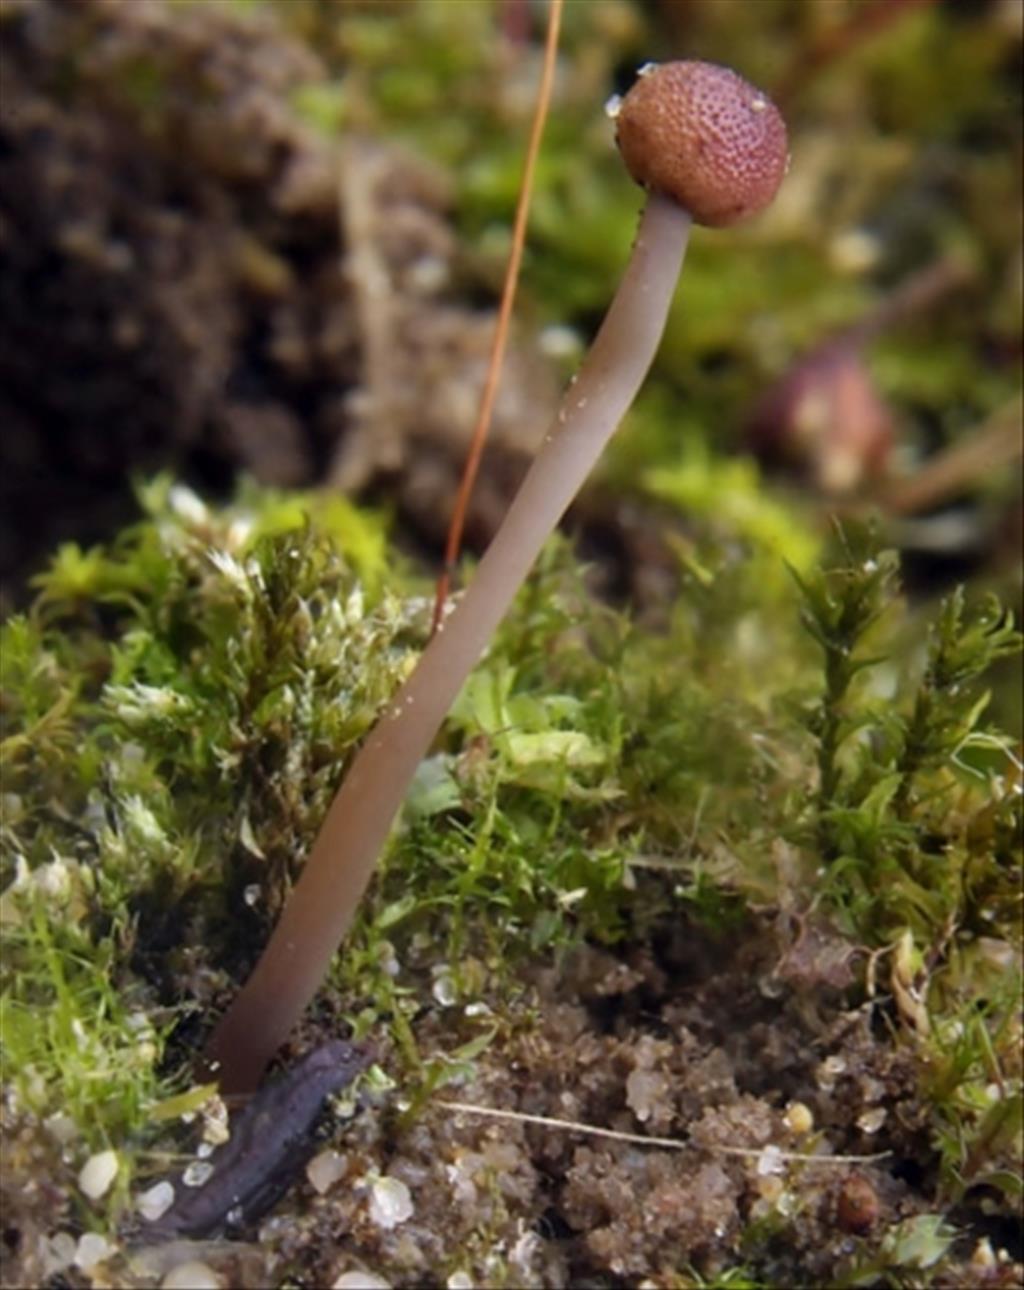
[906, 780]
[179, 708]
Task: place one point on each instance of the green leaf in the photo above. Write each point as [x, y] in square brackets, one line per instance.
[569, 747]
[918, 1242]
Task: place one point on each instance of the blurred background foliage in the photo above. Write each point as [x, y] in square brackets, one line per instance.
[867, 322]
[906, 150]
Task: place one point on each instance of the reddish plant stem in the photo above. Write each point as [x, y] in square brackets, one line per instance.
[508, 295]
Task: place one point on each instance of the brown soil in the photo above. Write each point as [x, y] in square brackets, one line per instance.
[691, 1039]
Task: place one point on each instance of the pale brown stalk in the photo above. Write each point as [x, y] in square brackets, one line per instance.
[325, 898]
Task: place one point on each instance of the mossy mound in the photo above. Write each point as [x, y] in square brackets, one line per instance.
[670, 883]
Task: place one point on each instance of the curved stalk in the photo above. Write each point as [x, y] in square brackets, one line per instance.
[324, 900]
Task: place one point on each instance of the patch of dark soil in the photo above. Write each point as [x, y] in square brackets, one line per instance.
[647, 1130]
[195, 279]
[759, 1178]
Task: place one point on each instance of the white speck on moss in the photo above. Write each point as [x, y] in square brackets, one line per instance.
[98, 1172]
[460, 1281]
[53, 880]
[390, 1203]
[61, 1127]
[230, 568]
[239, 531]
[141, 820]
[443, 989]
[187, 506]
[387, 959]
[142, 703]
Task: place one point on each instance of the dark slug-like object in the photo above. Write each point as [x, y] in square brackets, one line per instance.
[269, 1141]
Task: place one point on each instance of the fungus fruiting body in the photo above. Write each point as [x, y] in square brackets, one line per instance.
[708, 148]
[826, 415]
[705, 137]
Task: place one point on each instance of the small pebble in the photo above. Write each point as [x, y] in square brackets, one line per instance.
[770, 1161]
[98, 1172]
[443, 989]
[57, 1252]
[358, 1279]
[155, 1202]
[829, 1071]
[197, 1173]
[645, 1090]
[871, 1121]
[983, 1255]
[390, 1203]
[324, 1170]
[91, 1250]
[770, 1188]
[799, 1118]
[192, 1275]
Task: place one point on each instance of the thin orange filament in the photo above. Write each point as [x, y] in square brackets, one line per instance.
[508, 293]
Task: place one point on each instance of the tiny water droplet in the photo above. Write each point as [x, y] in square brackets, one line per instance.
[613, 106]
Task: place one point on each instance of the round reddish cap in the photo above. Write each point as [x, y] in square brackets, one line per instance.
[704, 136]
